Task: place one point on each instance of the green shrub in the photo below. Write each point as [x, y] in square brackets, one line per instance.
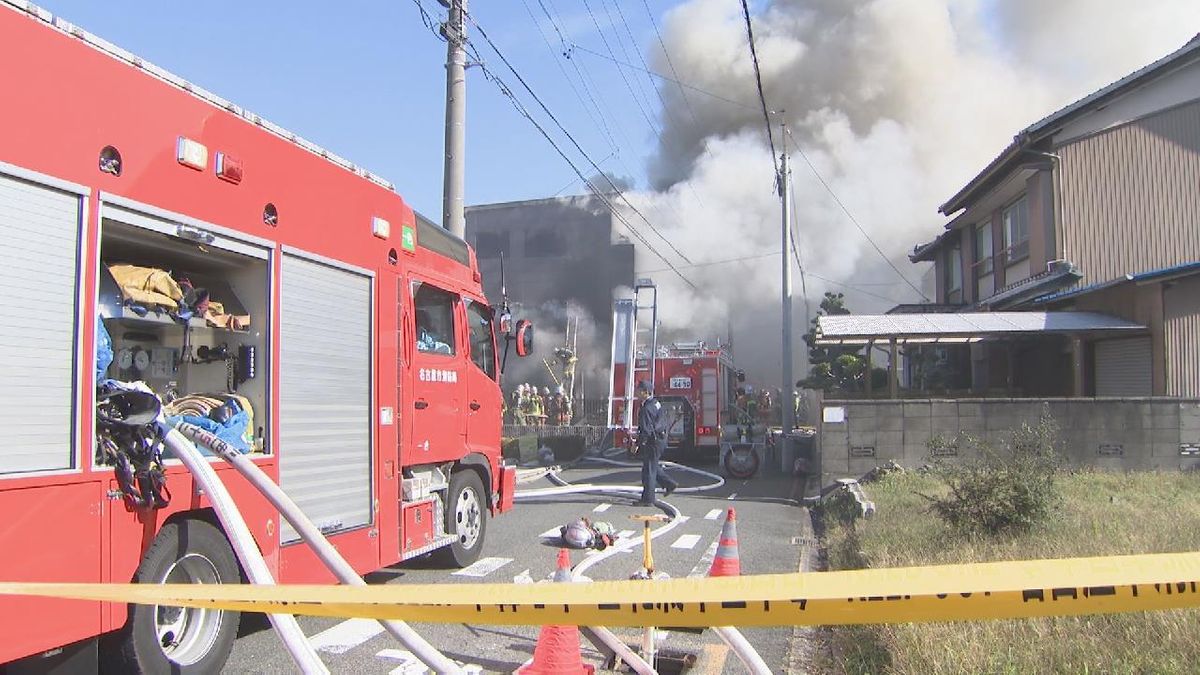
[1009, 489]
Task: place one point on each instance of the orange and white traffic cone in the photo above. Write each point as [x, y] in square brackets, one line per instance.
[557, 649]
[726, 562]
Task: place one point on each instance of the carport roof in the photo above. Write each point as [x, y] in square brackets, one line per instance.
[963, 326]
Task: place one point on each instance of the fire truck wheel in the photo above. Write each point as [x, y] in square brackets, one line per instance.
[172, 640]
[466, 518]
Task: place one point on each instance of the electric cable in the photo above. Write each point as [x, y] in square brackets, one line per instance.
[571, 137]
[578, 47]
[758, 81]
[657, 131]
[854, 220]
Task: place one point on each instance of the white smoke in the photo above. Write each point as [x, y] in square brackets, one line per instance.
[896, 103]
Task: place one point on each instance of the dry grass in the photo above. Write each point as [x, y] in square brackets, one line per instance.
[1102, 514]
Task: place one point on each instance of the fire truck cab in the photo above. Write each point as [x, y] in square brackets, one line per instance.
[260, 285]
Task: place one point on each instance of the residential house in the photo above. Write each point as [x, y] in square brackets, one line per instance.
[1093, 208]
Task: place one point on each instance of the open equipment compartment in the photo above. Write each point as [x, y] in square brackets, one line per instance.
[204, 352]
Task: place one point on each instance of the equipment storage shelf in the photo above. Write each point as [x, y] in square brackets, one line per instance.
[189, 318]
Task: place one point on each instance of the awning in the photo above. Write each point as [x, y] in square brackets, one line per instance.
[964, 326]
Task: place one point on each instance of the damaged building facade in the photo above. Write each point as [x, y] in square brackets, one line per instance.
[557, 252]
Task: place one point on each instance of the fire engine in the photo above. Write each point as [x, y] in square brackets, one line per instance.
[233, 266]
[696, 383]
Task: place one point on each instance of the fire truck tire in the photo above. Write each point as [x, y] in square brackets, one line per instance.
[466, 518]
[170, 640]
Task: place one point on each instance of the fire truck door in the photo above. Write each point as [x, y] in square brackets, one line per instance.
[439, 377]
[483, 395]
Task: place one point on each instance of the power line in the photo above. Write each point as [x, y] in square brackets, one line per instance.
[675, 80]
[670, 64]
[598, 119]
[570, 137]
[628, 86]
[855, 221]
[758, 80]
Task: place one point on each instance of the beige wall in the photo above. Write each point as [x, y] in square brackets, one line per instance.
[1131, 196]
[1181, 310]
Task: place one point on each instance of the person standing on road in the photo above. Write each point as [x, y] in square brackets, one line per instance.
[651, 442]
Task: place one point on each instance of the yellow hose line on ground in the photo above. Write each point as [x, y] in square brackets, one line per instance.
[939, 593]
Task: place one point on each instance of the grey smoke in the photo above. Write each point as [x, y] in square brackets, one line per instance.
[896, 103]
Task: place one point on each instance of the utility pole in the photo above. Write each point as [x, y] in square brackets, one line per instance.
[455, 31]
[788, 397]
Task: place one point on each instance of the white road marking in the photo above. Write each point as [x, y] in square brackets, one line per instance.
[554, 532]
[602, 508]
[624, 534]
[686, 541]
[523, 578]
[713, 515]
[483, 567]
[683, 519]
[409, 664]
[731, 497]
[701, 568]
[345, 636]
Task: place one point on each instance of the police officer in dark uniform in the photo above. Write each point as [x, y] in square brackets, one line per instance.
[651, 442]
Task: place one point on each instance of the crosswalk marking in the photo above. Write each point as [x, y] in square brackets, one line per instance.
[713, 515]
[601, 508]
[482, 567]
[686, 541]
[345, 636]
[554, 532]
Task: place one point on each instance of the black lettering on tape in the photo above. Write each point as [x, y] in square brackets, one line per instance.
[892, 597]
[1063, 592]
[965, 595]
[733, 604]
[1033, 594]
[538, 605]
[766, 605]
[566, 609]
[1092, 591]
[942, 596]
[1181, 587]
[1135, 591]
[478, 608]
[801, 602]
[609, 606]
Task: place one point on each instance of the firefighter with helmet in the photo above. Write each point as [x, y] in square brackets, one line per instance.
[564, 406]
[553, 411]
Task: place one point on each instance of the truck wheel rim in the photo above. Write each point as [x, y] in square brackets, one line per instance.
[467, 518]
[187, 635]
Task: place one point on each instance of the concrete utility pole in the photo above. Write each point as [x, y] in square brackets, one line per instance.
[788, 396]
[455, 31]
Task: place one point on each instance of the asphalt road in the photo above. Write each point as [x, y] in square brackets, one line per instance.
[773, 531]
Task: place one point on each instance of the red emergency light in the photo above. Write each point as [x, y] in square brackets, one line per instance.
[228, 168]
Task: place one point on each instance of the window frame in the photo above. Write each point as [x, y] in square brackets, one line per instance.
[492, 372]
[454, 299]
[1015, 251]
[985, 264]
[954, 262]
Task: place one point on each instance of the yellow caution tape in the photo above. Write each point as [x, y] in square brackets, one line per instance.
[942, 593]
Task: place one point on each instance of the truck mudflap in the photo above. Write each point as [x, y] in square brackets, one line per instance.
[508, 488]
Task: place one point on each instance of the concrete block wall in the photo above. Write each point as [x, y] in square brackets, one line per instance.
[1122, 434]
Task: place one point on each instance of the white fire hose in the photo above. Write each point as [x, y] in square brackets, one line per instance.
[244, 546]
[732, 637]
[427, 653]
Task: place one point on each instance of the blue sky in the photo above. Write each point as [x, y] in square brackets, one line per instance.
[366, 80]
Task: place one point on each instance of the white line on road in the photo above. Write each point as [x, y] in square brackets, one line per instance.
[345, 636]
[482, 567]
[624, 534]
[732, 497]
[409, 665]
[686, 541]
[713, 515]
[554, 532]
[701, 567]
[601, 508]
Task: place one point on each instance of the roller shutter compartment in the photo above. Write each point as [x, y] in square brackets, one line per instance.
[39, 288]
[1123, 367]
[325, 393]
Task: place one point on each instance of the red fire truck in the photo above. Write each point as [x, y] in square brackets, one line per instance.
[696, 383]
[351, 336]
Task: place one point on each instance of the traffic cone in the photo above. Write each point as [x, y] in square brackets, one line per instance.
[557, 649]
[726, 562]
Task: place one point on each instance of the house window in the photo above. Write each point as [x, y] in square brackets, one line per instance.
[491, 244]
[953, 270]
[983, 250]
[1015, 221]
[546, 242]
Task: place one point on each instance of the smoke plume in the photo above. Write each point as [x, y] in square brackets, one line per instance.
[896, 104]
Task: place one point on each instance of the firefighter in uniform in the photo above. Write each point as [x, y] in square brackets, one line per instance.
[553, 411]
[651, 442]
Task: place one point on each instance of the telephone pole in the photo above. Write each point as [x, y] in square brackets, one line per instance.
[787, 404]
[455, 32]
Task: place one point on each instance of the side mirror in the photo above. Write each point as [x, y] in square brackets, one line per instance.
[524, 337]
